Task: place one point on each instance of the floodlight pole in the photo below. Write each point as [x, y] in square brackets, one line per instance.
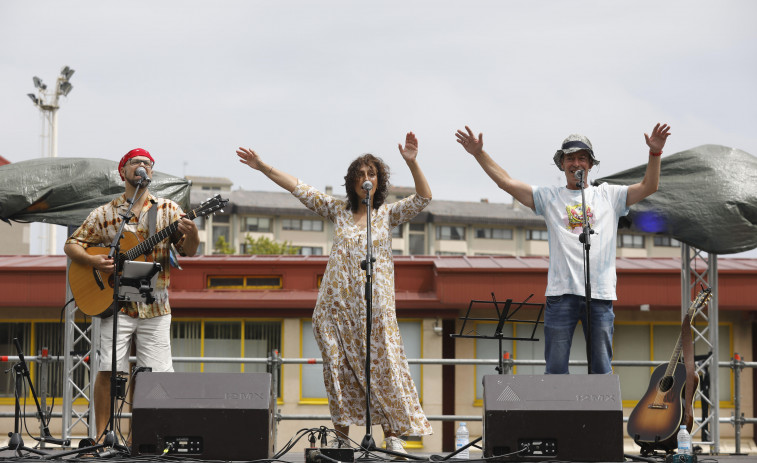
[50, 114]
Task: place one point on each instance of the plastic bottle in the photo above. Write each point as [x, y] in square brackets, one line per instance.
[462, 438]
[684, 441]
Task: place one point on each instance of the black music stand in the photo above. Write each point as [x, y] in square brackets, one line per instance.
[504, 315]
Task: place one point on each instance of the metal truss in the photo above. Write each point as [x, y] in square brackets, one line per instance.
[700, 268]
[80, 348]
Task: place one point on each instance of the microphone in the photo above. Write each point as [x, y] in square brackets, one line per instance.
[142, 173]
[580, 174]
[367, 185]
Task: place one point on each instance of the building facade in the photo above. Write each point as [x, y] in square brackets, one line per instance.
[443, 228]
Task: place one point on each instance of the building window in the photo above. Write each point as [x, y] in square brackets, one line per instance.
[200, 249]
[244, 282]
[200, 222]
[417, 227]
[228, 338]
[303, 225]
[218, 232]
[222, 218]
[417, 244]
[630, 241]
[666, 241]
[311, 251]
[494, 233]
[449, 253]
[448, 232]
[256, 224]
[397, 231]
[396, 252]
[537, 235]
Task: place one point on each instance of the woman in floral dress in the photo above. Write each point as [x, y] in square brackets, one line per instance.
[339, 316]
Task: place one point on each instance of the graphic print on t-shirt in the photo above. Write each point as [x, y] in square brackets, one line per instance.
[575, 218]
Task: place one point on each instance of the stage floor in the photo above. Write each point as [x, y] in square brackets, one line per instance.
[298, 456]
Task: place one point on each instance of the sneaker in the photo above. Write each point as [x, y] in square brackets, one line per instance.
[395, 444]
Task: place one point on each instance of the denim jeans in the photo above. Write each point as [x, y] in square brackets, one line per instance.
[560, 318]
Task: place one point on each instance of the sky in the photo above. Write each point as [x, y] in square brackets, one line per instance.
[310, 85]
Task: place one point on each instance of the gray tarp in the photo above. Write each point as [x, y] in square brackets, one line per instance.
[64, 191]
[707, 199]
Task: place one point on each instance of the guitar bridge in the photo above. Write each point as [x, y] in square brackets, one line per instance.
[658, 406]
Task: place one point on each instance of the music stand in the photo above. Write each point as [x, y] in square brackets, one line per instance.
[503, 316]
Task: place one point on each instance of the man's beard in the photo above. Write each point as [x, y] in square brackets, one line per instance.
[134, 181]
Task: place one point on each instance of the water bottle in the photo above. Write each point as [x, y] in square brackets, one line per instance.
[684, 441]
[461, 440]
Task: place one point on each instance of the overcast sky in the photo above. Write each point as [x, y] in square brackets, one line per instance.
[310, 85]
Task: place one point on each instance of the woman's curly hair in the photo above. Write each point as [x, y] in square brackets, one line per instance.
[382, 175]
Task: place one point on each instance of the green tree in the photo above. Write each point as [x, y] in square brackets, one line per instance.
[222, 247]
[265, 245]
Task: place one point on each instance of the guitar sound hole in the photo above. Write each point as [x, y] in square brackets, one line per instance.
[666, 383]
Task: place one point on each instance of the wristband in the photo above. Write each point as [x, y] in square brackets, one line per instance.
[655, 154]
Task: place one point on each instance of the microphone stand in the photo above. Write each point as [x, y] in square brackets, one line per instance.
[117, 383]
[585, 238]
[16, 442]
[368, 443]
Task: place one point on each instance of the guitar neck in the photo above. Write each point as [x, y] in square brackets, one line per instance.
[146, 246]
[700, 300]
[674, 357]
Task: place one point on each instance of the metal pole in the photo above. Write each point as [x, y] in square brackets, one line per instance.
[51, 248]
[44, 364]
[737, 365]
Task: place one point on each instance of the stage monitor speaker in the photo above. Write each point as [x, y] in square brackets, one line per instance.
[206, 416]
[553, 417]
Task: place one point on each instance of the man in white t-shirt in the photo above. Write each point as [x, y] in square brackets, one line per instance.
[562, 211]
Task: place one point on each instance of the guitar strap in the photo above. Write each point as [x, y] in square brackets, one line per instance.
[152, 218]
[691, 374]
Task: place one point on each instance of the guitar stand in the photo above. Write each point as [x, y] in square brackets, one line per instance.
[16, 443]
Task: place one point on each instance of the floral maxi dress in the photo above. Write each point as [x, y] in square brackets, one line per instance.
[339, 319]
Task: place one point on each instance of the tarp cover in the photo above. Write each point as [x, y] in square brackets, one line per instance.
[64, 191]
[707, 199]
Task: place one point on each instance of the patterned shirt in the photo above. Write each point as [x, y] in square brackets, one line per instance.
[100, 229]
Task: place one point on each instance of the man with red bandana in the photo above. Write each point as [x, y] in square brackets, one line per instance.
[151, 323]
[562, 211]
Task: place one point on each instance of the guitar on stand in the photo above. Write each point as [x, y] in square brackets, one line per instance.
[656, 419]
[93, 291]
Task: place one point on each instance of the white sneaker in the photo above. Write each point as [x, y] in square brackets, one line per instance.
[395, 444]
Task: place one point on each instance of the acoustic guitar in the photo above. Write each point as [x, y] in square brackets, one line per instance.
[656, 419]
[93, 290]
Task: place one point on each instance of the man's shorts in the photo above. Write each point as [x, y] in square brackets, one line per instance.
[153, 343]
